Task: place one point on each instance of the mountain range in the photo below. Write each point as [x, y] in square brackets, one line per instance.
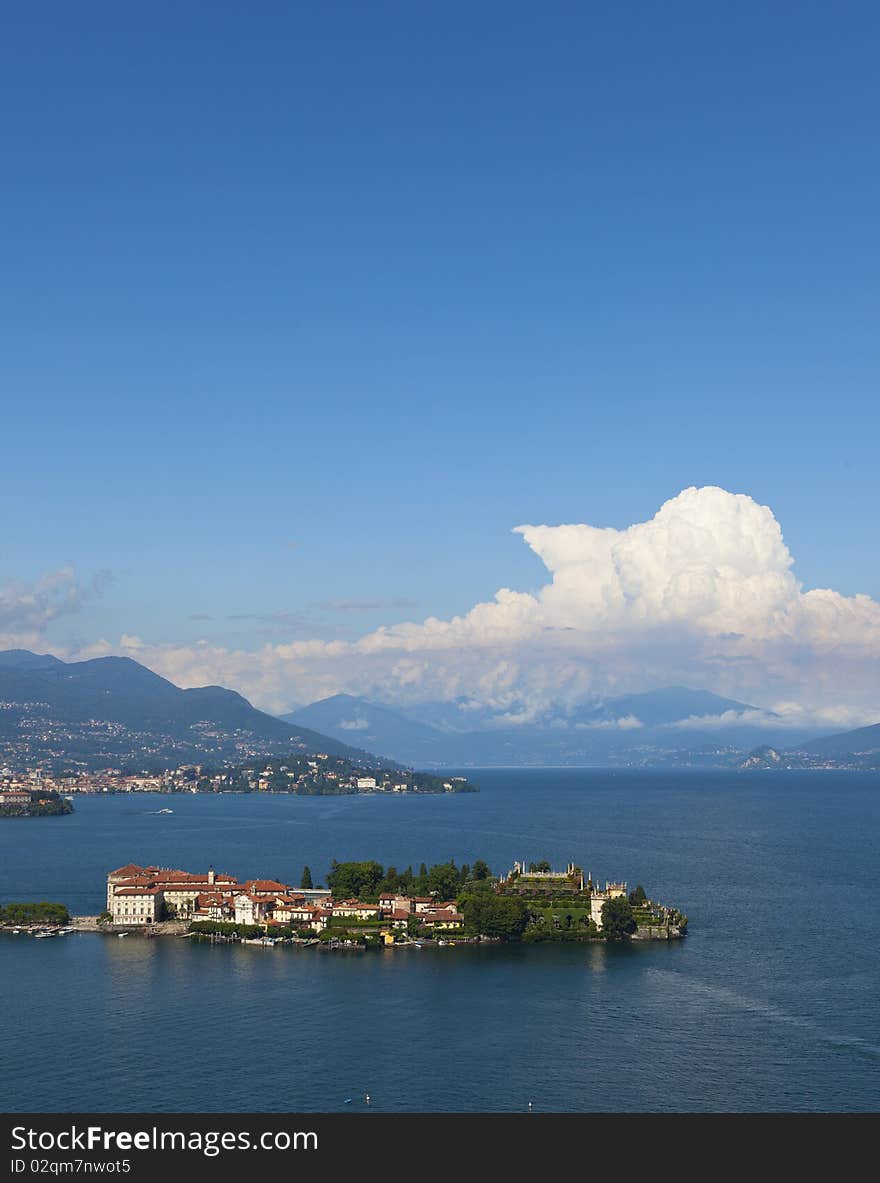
[631, 729]
[112, 709]
[862, 741]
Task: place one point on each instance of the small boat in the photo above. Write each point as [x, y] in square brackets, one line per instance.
[121, 935]
[41, 935]
[158, 811]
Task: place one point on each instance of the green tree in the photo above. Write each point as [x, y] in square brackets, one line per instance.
[617, 918]
[41, 913]
[391, 882]
[492, 915]
[480, 870]
[306, 880]
[442, 880]
[638, 897]
[355, 880]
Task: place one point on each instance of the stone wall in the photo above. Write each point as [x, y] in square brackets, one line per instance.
[657, 932]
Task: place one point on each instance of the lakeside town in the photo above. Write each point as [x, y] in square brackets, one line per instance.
[364, 904]
[35, 733]
[305, 775]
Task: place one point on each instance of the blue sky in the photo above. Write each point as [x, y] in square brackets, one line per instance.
[305, 307]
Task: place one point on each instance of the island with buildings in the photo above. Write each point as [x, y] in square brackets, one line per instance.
[26, 799]
[366, 904]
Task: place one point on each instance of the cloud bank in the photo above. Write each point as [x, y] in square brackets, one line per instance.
[702, 594]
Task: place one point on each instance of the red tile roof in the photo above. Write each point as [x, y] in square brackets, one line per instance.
[135, 881]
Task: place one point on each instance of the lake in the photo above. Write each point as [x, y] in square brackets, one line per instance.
[768, 1004]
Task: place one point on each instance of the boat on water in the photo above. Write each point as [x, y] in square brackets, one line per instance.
[158, 811]
[121, 935]
[41, 935]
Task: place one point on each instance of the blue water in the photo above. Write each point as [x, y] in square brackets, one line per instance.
[769, 1004]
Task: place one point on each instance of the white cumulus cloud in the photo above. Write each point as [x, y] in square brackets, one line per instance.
[624, 723]
[704, 593]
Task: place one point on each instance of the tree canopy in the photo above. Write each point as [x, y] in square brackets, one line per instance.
[495, 915]
[617, 918]
[41, 913]
[442, 880]
[355, 880]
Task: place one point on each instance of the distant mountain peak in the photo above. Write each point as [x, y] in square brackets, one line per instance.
[23, 659]
[664, 706]
[864, 740]
[153, 718]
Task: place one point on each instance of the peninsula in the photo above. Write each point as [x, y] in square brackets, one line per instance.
[367, 904]
[317, 775]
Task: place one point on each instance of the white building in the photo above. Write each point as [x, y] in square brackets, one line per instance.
[137, 905]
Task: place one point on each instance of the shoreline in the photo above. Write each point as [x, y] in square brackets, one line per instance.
[180, 929]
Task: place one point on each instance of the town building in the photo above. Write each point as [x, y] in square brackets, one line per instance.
[139, 895]
[15, 797]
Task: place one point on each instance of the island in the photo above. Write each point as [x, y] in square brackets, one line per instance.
[23, 801]
[365, 904]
